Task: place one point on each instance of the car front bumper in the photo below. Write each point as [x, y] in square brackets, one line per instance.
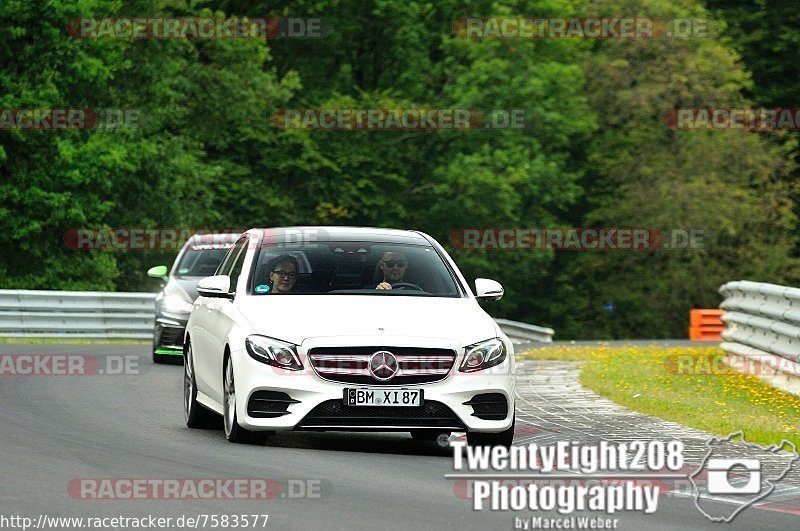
[315, 403]
[169, 333]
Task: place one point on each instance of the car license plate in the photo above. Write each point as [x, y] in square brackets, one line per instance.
[382, 397]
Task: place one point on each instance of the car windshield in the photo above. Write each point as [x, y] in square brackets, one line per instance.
[356, 268]
[200, 262]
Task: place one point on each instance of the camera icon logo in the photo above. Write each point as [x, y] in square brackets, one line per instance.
[721, 479]
[741, 474]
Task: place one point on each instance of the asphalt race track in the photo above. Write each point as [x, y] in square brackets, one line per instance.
[55, 429]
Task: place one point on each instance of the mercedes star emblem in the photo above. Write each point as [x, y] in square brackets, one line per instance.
[383, 365]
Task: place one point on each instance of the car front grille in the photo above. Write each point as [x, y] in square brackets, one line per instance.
[334, 414]
[351, 364]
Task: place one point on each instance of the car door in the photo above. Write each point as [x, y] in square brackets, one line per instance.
[221, 320]
[207, 347]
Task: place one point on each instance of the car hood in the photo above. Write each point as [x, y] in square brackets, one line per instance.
[301, 317]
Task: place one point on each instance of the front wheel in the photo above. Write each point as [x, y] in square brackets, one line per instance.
[504, 438]
[196, 415]
[233, 432]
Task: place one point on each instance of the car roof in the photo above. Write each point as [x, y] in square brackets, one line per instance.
[344, 234]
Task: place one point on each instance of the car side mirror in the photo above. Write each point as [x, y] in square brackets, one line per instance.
[215, 287]
[158, 272]
[487, 289]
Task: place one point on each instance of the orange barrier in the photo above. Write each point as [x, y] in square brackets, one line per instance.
[706, 325]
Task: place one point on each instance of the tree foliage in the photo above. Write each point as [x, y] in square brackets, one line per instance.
[594, 150]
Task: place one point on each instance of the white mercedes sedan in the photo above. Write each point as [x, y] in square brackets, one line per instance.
[346, 329]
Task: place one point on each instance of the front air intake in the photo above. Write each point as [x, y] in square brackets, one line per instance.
[489, 406]
[269, 404]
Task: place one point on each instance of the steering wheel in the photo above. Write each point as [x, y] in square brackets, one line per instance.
[403, 285]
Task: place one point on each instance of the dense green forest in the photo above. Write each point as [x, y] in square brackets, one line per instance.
[594, 151]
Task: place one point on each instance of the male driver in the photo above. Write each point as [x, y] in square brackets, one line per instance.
[393, 265]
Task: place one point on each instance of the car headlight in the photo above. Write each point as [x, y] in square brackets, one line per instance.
[273, 352]
[176, 304]
[483, 355]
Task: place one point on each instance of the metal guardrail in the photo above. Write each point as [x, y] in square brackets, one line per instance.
[116, 315]
[76, 314]
[525, 332]
[762, 324]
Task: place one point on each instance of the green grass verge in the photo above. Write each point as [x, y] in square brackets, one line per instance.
[685, 385]
[70, 341]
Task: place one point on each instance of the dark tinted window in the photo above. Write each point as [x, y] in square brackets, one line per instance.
[353, 268]
[200, 262]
